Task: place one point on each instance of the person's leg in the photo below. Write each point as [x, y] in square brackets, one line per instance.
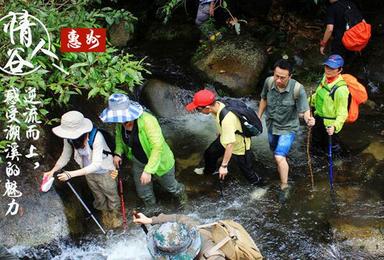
[245, 163]
[145, 192]
[212, 155]
[319, 140]
[100, 201]
[109, 188]
[281, 151]
[170, 184]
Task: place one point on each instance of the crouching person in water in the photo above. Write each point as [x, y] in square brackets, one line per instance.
[97, 166]
[179, 237]
[139, 138]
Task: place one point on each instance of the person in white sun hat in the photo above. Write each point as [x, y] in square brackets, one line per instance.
[139, 138]
[95, 164]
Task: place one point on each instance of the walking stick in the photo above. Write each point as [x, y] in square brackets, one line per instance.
[136, 214]
[121, 194]
[330, 161]
[309, 134]
[86, 208]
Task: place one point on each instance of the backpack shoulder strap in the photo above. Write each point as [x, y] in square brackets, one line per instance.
[91, 138]
[222, 114]
[296, 90]
[338, 84]
[269, 82]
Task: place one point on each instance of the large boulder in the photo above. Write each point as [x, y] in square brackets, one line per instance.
[236, 64]
[164, 99]
[41, 218]
[120, 34]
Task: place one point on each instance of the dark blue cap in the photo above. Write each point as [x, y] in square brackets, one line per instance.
[334, 61]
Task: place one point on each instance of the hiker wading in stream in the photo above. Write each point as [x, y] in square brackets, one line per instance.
[283, 99]
[331, 108]
[97, 166]
[229, 144]
[139, 138]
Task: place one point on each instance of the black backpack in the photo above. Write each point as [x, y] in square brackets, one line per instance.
[109, 139]
[250, 122]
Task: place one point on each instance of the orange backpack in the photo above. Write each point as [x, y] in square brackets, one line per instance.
[358, 95]
[357, 37]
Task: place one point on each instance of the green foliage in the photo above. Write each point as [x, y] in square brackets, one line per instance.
[166, 10]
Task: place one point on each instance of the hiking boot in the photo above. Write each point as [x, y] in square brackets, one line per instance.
[182, 199]
[284, 194]
[199, 171]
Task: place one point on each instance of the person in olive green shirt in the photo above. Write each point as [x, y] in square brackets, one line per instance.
[283, 99]
[140, 139]
[331, 106]
[229, 144]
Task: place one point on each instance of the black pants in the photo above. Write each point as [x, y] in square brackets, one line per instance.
[216, 150]
[320, 140]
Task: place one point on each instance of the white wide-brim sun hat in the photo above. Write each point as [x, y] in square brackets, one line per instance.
[121, 109]
[73, 124]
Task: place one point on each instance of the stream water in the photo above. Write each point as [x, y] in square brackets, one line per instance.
[302, 227]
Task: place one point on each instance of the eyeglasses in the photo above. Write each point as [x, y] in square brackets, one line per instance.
[280, 77]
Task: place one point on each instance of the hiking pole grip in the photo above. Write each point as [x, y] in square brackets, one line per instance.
[86, 208]
[136, 214]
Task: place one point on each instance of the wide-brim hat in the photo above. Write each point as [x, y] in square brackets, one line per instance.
[120, 110]
[174, 241]
[73, 124]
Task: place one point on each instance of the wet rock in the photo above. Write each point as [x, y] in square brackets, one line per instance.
[376, 149]
[170, 32]
[366, 234]
[163, 99]
[235, 63]
[41, 217]
[121, 33]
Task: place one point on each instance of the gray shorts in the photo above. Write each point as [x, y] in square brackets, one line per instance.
[202, 14]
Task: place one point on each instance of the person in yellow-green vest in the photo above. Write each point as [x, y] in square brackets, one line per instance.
[139, 137]
[331, 106]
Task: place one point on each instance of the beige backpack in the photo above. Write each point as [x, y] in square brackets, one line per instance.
[233, 240]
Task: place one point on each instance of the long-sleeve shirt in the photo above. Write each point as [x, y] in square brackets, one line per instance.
[207, 240]
[99, 162]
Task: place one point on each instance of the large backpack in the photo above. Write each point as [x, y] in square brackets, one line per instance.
[232, 239]
[357, 32]
[109, 139]
[357, 95]
[250, 122]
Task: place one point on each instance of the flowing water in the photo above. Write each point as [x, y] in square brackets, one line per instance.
[304, 226]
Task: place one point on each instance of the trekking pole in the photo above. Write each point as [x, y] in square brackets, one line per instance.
[136, 214]
[122, 201]
[330, 161]
[221, 182]
[86, 208]
[309, 135]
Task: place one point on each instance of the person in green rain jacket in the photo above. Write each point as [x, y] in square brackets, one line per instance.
[331, 106]
[139, 138]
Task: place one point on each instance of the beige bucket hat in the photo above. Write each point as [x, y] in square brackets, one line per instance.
[72, 125]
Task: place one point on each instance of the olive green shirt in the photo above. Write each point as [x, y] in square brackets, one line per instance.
[282, 111]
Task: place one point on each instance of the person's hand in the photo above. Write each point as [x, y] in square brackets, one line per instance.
[142, 219]
[311, 121]
[117, 161]
[322, 48]
[64, 176]
[223, 172]
[48, 174]
[330, 130]
[114, 174]
[145, 178]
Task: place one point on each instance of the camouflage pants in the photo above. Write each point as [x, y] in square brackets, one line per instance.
[104, 190]
[167, 181]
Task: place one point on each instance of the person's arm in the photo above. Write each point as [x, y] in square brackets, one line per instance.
[63, 159]
[162, 218]
[97, 160]
[341, 107]
[223, 170]
[327, 35]
[262, 106]
[212, 8]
